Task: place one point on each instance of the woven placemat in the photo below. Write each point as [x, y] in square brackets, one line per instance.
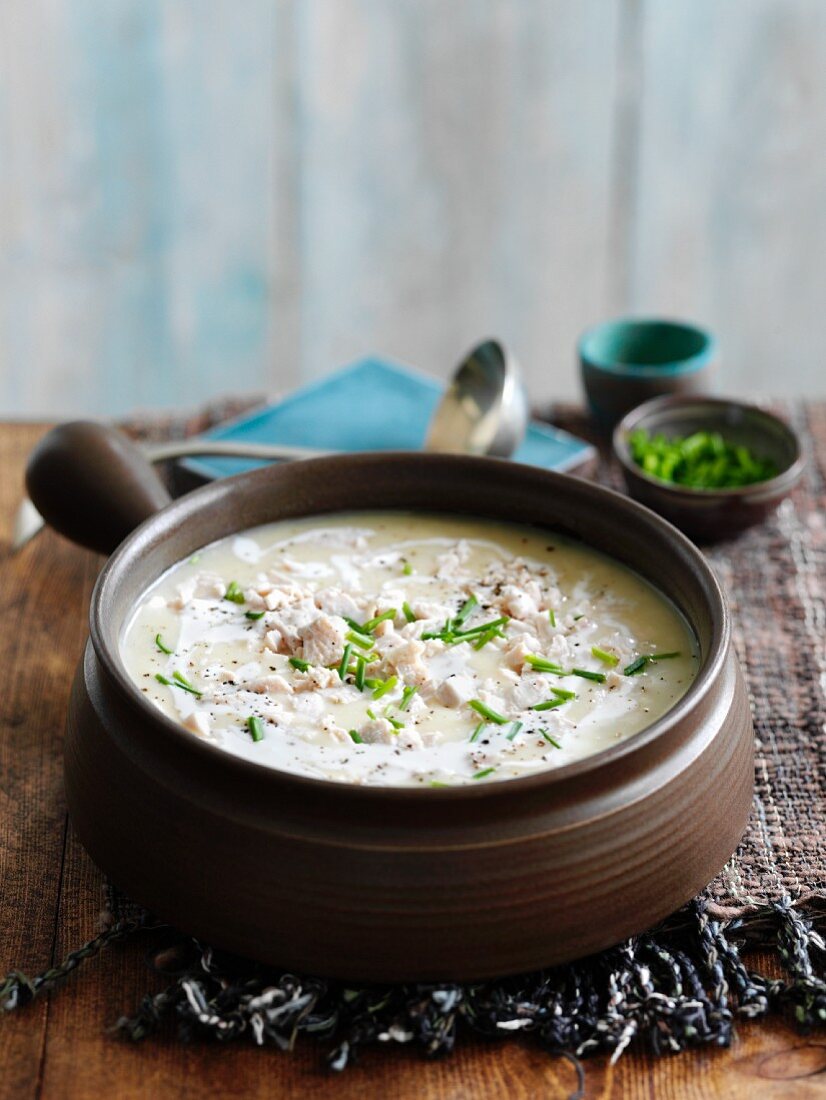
[684, 983]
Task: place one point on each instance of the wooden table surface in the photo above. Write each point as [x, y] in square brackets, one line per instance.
[59, 1046]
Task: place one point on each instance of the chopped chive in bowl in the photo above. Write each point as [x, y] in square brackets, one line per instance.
[702, 460]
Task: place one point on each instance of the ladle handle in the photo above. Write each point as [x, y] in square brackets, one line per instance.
[91, 483]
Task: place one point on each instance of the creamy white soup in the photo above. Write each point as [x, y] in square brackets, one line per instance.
[407, 649]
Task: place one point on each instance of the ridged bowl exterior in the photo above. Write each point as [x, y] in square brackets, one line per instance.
[388, 883]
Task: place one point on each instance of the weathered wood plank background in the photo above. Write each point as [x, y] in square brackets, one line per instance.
[201, 196]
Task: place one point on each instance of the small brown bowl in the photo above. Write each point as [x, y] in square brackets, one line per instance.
[391, 883]
[710, 514]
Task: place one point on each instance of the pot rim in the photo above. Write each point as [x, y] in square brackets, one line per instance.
[161, 524]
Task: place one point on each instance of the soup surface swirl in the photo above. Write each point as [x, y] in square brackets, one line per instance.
[407, 649]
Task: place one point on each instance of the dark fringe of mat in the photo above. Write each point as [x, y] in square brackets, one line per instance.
[679, 986]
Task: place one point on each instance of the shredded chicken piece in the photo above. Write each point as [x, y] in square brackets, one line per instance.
[198, 722]
[322, 641]
[515, 656]
[450, 564]
[334, 601]
[516, 602]
[377, 731]
[405, 661]
[316, 679]
[275, 641]
[455, 690]
[270, 685]
[203, 586]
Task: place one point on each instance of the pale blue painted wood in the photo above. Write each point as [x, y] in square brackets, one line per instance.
[730, 222]
[456, 167]
[137, 195]
[202, 196]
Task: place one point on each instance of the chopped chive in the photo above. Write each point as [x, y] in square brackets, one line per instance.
[408, 569]
[486, 712]
[640, 662]
[703, 460]
[578, 617]
[407, 694]
[383, 687]
[297, 662]
[256, 728]
[371, 624]
[345, 661]
[360, 665]
[356, 736]
[435, 783]
[515, 728]
[161, 646]
[488, 636]
[542, 664]
[182, 680]
[604, 656]
[477, 732]
[550, 739]
[363, 641]
[550, 704]
[586, 674]
[254, 615]
[195, 558]
[637, 665]
[394, 722]
[408, 612]
[371, 714]
[234, 593]
[492, 625]
[464, 611]
[484, 772]
[179, 682]
[552, 616]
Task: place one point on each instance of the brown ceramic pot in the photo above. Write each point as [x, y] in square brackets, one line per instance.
[390, 883]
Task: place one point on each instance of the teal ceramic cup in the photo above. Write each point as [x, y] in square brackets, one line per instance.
[626, 362]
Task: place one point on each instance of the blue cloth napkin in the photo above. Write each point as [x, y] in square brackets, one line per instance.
[371, 405]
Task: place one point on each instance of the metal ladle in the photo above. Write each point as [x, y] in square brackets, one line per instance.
[484, 411]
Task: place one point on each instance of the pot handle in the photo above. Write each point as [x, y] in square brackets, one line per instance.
[91, 483]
